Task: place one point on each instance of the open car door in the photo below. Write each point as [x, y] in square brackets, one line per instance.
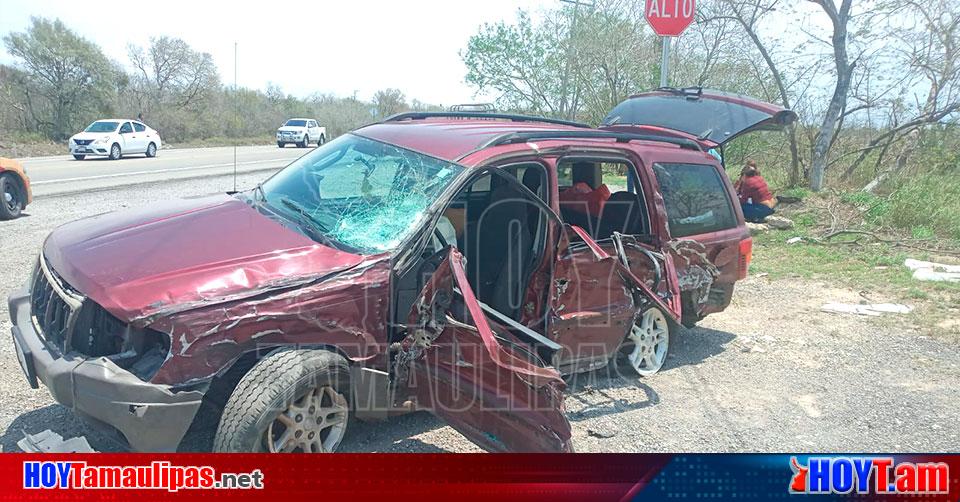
[709, 117]
[471, 372]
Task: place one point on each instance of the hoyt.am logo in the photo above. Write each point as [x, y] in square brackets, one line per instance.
[878, 475]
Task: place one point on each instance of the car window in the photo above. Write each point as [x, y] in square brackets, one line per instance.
[126, 128]
[101, 126]
[296, 123]
[313, 124]
[564, 176]
[137, 126]
[696, 199]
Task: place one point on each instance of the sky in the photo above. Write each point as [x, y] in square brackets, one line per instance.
[337, 47]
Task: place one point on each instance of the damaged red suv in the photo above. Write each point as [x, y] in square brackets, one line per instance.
[453, 262]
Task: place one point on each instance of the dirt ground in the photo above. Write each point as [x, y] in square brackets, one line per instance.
[770, 374]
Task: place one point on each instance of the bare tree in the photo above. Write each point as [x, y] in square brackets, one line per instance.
[171, 73]
[839, 18]
[930, 49]
[389, 102]
[749, 13]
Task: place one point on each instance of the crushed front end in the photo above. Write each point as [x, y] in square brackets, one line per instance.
[97, 365]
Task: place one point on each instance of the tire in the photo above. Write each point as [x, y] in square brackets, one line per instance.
[281, 145]
[283, 388]
[115, 152]
[306, 142]
[322, 140]
[11, 202]
[151, 150]
[79, 157]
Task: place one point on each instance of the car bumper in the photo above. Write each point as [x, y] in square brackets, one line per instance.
[150, 417]
[89, 150]
[290, 139]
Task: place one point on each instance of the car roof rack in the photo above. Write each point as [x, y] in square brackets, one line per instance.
[621, 137]
[482, 115]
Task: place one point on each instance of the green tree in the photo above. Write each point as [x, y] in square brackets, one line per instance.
[68, 78]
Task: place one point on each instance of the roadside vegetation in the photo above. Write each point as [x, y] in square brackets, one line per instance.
[60, 82]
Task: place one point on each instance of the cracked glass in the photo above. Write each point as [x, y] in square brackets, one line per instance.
[361, 194]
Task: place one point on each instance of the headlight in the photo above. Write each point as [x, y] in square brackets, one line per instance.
[102, 140]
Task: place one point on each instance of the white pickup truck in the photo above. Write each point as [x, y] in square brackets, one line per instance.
[301, 132]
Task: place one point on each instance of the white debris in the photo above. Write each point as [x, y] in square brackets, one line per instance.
[794, 240]
[778, 222]
[51, 442]
[870, 309]
[931, 271]
[758, 228]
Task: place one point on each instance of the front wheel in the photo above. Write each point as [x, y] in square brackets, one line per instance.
[115, 153]
[306, 142]
[290, 401]
[79, 157]
[10, 204]
[151, 150]
[650, 336]
[281, 145]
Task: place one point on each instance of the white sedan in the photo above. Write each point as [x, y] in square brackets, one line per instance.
[115, 138]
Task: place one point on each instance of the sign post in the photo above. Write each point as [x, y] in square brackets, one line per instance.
[669, 18]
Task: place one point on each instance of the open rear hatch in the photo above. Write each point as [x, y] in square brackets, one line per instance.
[707, 116]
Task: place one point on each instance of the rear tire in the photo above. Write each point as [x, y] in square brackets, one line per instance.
[292, 400]
[10, 197]
[79, 157]
[151, 150]
[322, 140]
[115, 152]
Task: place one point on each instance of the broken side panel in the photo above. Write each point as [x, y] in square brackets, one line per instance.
[593, 306]
[494, 391]
[598, 294]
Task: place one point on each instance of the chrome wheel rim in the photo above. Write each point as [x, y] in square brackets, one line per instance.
[10, 200]
[315, 423]
[650, 335]
[115, 151]
[151, 150]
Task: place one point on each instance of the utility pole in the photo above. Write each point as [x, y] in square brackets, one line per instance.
[566, 107]
[665, 62]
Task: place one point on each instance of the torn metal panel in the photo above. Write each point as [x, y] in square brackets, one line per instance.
[696, 273]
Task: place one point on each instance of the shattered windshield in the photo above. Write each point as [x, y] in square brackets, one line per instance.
[359, 192]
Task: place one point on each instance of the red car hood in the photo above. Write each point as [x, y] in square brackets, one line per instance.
[165, 257]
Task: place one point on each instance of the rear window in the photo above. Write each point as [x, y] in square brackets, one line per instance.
[696, 199]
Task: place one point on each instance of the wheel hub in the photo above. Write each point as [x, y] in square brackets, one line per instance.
[650, 337]
[315, 423]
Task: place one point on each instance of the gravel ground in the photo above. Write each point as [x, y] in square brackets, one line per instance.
[770, 374]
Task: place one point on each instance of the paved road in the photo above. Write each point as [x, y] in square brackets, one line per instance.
[63, 174]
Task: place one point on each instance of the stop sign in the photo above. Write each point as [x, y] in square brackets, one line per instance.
[669, 18]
